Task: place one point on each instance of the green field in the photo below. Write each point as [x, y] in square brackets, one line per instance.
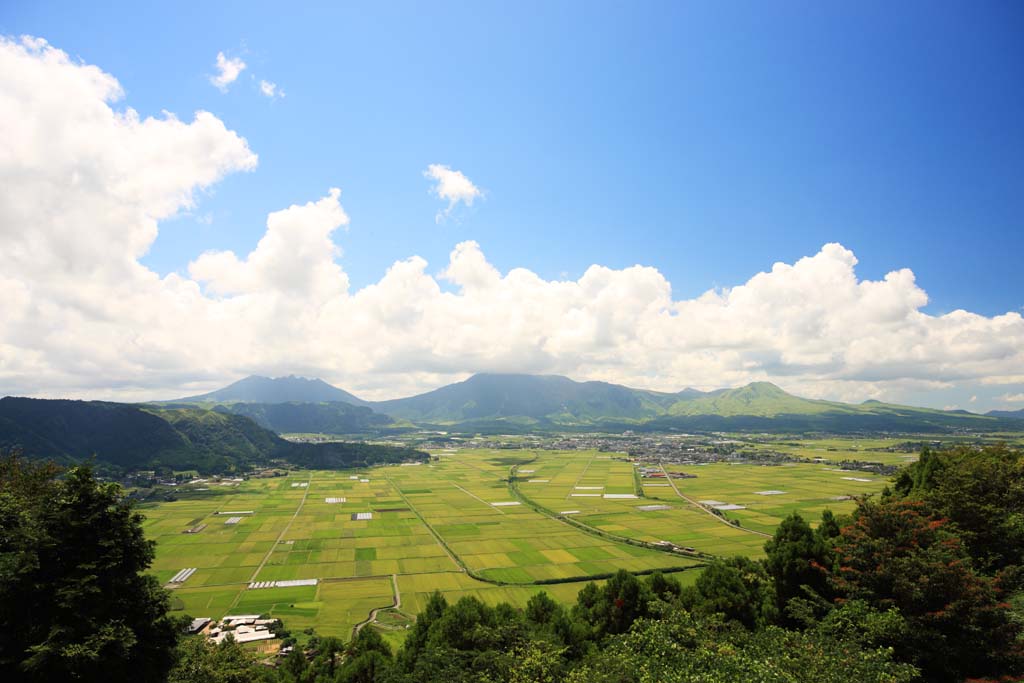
[885, 450]
[458, 525]
[567, 482]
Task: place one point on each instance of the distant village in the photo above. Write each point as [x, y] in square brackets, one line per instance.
[666, 449]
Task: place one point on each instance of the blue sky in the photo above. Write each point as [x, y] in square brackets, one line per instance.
[705, 140]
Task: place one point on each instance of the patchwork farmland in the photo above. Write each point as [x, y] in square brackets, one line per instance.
[322, 549]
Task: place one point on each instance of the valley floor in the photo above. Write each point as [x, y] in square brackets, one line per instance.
[496, 524]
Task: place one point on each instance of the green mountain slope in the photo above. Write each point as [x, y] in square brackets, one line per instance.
[528, 399]
[765, 400]
[131, 437]
[328, 418]
[761, 399]
[255, 389]
[71, 430]
[516, 403]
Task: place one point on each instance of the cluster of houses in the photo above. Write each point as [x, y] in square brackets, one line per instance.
[676, 548]
[244, 628]
[658, 473]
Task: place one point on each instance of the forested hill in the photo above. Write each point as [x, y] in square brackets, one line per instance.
[335, 417]
[126, 437]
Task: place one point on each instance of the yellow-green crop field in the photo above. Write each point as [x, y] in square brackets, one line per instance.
[580, 484]
[839, 448]
[388, 535]
[768, 494]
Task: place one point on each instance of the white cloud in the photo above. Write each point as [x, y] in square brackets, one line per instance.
[270, 90]
[452, 186]
[1012, 398]
[1004, 379]
[228, 70]
[296, 256]
[85, 187]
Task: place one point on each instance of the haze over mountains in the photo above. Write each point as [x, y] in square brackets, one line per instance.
[1012, 414]
[513, 402]
[256, 389]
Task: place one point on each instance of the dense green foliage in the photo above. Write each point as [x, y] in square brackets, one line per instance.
[629, 630]
[216, 442]
[323, 418]
[338, 454]
[74, 603]
[981, 492]
[738, 588]
[127, 437]
[797, 562]
[895, 554]
[66, 431]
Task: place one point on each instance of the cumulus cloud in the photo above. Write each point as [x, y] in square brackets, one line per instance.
[452, 186]
[1012, 398]
[296, 256]
[228, 70]
[86, 185]
[268, 89]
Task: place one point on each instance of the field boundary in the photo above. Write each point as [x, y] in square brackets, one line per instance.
[266, 558]
[700, 507]
[473, 495]
[539, 582]
[513, 488]
[396, 603]
[586, 467]
[437, 537]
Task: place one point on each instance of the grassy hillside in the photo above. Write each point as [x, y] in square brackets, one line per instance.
[759, 399]
[518, 403]
[547, 398]
[130, 437]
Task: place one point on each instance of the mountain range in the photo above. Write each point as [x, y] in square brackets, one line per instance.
[1012, 414]
[239, 425]
[515, 402]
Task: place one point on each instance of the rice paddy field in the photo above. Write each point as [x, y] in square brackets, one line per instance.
[388, 536]
[765, 495]
[466, 499]
[601, 491]
[838, 449]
